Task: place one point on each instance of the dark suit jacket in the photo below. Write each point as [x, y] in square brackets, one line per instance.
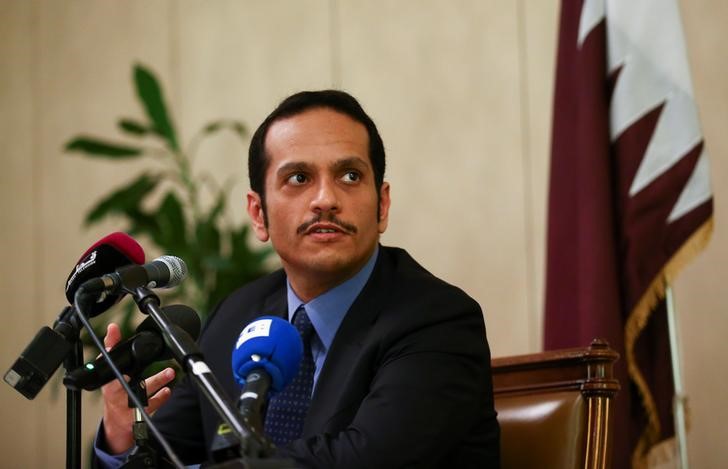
[406, 381]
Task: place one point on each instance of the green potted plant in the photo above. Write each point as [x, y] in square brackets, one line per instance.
[163, 203]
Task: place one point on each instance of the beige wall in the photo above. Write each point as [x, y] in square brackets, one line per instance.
[461, 91]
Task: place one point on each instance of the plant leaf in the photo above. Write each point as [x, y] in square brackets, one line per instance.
[133, 127]
[172, 224]
[152, 98]
[218, 208]
[239, 128]
[249, 263]
[208, 238]
[216, 262]
[243, 265]
[142, 223]
[126, 322]
[213, 126]
[95, 147]
[126, 200]
[236, 126]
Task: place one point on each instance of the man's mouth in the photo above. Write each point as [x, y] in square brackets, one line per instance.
[321, 228]
[332, 225]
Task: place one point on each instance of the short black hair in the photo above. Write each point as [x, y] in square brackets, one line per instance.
[298, 103]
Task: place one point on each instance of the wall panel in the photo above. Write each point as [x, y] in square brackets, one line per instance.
[238, 60]
[700, 289]
[441, 80]
[83, 71]
[21, 264]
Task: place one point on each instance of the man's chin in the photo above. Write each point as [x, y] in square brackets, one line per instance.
[329, 262]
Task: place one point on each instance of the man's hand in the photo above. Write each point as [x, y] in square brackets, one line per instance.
[118, 417]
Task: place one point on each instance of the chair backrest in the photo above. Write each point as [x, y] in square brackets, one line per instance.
[554, 408]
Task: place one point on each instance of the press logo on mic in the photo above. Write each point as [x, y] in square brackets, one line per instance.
[259, 328]
[81, 266]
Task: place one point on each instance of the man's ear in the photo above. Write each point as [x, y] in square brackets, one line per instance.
[257, 216]
[384, 202]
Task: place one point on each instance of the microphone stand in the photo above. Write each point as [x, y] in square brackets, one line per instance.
[143, 455]
[73, 411]
[67, 325]
[256, 451]
[226, 452]
[188, 355]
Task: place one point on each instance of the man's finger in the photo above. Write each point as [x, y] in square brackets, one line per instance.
[156, 382]
[113, 336]
[156, 401]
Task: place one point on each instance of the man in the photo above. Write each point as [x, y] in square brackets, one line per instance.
[401, 365]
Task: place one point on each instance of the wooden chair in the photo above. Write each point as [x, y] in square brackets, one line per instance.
[554, 407]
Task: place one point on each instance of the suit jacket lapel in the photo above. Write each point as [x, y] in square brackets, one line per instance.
[276, 304]
[327, 398]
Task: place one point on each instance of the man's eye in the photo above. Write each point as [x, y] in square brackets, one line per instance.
[297, 179]
[351, 176]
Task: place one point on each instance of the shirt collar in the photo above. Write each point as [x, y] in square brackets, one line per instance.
[328, 310]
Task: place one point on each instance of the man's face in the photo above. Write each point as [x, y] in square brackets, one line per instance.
[321, 198]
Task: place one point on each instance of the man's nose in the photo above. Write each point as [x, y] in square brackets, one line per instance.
[326, 197]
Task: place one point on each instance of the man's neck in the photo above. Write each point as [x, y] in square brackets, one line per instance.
[308, 285]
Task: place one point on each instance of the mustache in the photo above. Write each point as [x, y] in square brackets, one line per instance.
[329, 218]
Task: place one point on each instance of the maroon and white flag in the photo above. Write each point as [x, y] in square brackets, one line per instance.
[629, 202]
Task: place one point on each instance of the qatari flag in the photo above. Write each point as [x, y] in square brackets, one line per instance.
[629, 200]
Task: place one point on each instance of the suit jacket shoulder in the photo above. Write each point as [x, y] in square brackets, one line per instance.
[406, 382]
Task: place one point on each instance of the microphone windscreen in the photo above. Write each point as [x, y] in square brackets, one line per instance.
[175, 267]
[270, 343]
[185, 318]
[122, 242]
[181, 316]
[105, 256]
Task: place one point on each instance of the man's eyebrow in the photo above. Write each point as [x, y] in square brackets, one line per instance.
[291, 167]
[338, 165]
[350, 162]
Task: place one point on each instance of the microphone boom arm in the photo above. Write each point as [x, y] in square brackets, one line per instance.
[190, 357]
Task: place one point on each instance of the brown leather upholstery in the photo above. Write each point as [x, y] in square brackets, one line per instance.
[554, 407]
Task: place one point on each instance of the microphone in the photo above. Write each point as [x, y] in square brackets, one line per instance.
[266, 356]
[163, 272]
[106, 255]
[137, 352]
[50, 346]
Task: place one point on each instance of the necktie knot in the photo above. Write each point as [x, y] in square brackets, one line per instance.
[302, 322]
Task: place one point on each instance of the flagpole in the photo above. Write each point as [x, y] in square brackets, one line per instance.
[680, 397]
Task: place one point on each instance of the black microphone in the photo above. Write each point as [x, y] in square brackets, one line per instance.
[163, 272]
[50, 346]
[110, 253]
[41, 358]
[137, 352]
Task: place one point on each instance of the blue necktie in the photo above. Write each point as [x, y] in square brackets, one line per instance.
[287, 410]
